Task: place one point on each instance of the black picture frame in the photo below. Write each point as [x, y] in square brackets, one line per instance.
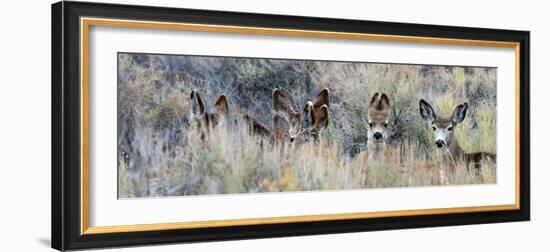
[66, 114]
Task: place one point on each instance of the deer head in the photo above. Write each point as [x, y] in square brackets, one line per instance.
[305, 124]
[203, 120]
[443, 126]
[379, 111]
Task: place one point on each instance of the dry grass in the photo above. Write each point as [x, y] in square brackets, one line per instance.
[231, 161]
[165, 159]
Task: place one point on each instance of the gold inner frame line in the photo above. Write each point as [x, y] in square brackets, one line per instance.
[86, 23]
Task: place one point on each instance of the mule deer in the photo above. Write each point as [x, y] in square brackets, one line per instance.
[302, 125]
[445, 140]
[277, 134]
[377, 132]
[202, 120]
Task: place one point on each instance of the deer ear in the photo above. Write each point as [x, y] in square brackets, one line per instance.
[322, 117]
[374, 101]
[384, 105]
[460, 113]
[426, 111]
[321, 99]
[308, 108]
[308, 114]
[221, 107]
[281, 103]
[197, 104]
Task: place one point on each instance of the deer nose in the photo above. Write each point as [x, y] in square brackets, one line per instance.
[439, 143]
[377, 135]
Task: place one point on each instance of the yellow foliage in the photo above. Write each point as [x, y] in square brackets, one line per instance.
[270, 186]
[287, 180]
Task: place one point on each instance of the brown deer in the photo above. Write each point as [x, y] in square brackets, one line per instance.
[377, 133]
[445, 140]
[255, 127]
[277, 135]
[302, 125]
[290, 125]
[202, 120]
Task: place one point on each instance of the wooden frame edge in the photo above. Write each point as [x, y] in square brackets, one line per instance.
[57, 221]
[289, 219]
[86, 22]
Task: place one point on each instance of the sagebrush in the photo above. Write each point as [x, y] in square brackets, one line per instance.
[166, 159]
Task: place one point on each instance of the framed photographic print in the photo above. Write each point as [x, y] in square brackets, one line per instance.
[180, 125]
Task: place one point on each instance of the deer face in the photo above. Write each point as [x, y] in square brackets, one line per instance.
[287, 119]
[302, 125]
[378, 119]
[203, 120]
[441, 126]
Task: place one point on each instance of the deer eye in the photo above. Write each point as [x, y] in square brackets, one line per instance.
[385, 125]
[450, 128]
[434, 128]
[370, 124]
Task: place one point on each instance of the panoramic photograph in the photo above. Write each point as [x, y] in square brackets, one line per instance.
[203, 125]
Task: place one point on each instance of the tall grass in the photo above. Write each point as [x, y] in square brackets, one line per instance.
[166, 159]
